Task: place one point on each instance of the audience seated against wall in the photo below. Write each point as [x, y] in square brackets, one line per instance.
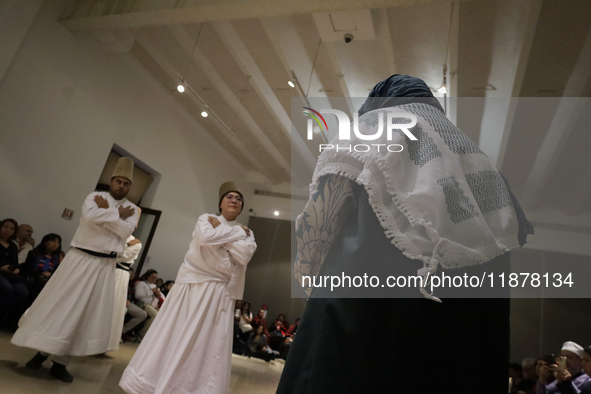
[41, 263]
[166, 287]
[277, 335]
[245, 321]
[294, 327]
[147, 297]
[13, 290]
[134, 314]
[24, 241]
[257, 343]
[284, 324]
[259, 320]
[568, 380]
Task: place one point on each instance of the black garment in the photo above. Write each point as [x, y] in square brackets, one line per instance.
[9, 255]
[399, 90]
[408, 345]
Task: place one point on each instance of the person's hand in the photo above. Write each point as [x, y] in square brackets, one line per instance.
[546, 371]
[6, 269]
[125, 212]
[561, 376]
[46, 274]
[134, 241]
[156, 292]
[246, 230]
[101, 202]
[127, 303]
[213, 221]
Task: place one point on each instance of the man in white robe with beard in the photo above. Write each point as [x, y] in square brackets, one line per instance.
[72, 315]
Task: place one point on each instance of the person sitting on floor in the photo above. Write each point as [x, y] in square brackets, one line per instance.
[257, 343]
[41, 263]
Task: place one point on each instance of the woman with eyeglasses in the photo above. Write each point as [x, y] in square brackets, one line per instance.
[193, 330]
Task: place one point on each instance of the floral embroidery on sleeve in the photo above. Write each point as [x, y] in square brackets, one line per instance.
[319, 224]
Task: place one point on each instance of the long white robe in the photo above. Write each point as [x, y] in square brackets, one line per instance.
[121, 283]
[188, 348]
[72, 314]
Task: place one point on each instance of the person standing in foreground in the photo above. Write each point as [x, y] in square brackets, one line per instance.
[72, 314]
[438, 203]
[188, 348]
[124, 263]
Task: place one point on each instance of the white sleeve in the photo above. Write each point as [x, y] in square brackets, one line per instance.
[124, 228]
[92, 213]
[131, 252]
[206, 235]
[243, 249]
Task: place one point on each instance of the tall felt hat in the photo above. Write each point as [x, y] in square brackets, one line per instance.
[124, 168]
[227, 188]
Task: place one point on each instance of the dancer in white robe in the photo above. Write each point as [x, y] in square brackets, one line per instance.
[188, 348]
[133, 247]
[72, 314]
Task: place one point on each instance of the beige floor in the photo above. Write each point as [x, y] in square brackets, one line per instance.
[101, 374]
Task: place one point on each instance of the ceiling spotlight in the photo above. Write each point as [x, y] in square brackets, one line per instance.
[276, 213]
[291, 84]
[180, 88]
[316, 129]
[442, 89]
[204, 113]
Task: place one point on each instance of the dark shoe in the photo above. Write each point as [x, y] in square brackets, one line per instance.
[126, 338]
[59, 371]
[35, 362]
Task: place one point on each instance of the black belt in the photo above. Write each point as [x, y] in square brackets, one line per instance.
[124, 266]
[111, 255]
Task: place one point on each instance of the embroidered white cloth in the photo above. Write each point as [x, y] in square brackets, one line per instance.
[440, 200]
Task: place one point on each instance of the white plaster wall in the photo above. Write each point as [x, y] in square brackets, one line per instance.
[64, 102]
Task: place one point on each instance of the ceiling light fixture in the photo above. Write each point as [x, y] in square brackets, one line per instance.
[204, 113]
[180, 88]
[276, 213]
[291, 84]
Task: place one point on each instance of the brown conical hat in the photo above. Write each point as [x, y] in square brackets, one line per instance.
[124, 168]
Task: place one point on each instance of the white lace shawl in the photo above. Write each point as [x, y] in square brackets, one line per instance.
[440, 200]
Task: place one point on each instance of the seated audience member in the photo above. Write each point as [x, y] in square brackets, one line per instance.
[237, 309]
[277, 335]
[257, 343]
[264, 307]
[565, 380]
[515, 376]
[13, 290]
[245, 320]
[259, 320]
[41, 263]
[294, 327]
[586, 365]
[285, 347]
[571, 379]
[138, 315]
[24, 241]
[147, 295]
[159, 283]
[284, 323]
[527, 384]
[166, 287]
